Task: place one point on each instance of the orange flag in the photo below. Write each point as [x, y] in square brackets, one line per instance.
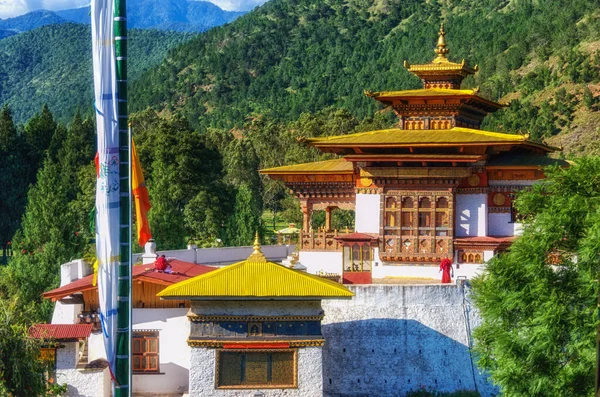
[141, 198]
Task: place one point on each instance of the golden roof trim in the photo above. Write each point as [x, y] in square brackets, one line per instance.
[335, 166]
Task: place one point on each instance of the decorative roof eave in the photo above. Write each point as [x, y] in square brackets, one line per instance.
[468, 96]
[322, 145]
[336, 166]
[433, 158]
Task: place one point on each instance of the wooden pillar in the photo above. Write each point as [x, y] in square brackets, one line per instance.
[306, 212]
[328, 219]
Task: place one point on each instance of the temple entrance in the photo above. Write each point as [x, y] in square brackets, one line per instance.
[357, 257]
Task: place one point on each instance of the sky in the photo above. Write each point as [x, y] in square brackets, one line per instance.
[12, 8]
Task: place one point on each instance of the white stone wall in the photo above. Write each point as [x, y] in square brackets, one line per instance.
[471, 215]
[227, 255]
[367, 213]
[390, 339]
[321, 261]
[65, 314]
[500, 225]
[174, 352]
[431, 272]
[202, 376]
[89, 383]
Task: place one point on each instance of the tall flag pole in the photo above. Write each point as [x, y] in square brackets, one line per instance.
[123, 363]
[113, 208]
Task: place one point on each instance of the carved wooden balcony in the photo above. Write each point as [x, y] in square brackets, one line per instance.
[320, 240]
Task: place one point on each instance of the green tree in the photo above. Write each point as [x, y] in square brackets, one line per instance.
[588, 98]
[245, 220]
[538, 300]
[21, 371]
[14, 192]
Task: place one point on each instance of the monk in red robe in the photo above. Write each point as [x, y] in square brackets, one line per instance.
[161, 263]
[446, 268]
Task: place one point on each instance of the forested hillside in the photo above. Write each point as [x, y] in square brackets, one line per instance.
[53, 65]
[291, 57]
[233, 100]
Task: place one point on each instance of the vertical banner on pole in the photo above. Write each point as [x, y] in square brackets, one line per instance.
[113, 190]
[108, 183]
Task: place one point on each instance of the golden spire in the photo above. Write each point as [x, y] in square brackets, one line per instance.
[441, 49]
[257, 255]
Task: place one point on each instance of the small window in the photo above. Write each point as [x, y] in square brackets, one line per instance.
[145, 352]
[253, 369]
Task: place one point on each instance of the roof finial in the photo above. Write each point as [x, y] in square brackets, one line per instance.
[441, 49]
[257, 255]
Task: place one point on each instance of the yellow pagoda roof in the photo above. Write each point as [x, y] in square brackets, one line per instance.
[335, 166]
[256, 278]
[423, 92]
[398, 138]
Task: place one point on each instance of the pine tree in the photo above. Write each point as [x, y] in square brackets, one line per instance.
[12, 179]
[588, 98]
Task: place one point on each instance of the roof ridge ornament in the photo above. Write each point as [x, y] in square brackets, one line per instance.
[441, 49]
[257, 255]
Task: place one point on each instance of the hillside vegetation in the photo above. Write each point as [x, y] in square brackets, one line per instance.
[53, 65]
[291, 57]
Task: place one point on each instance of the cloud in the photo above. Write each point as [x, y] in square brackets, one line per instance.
[236, 5]
[12, 8]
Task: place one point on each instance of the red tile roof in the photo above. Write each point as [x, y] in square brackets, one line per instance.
[60, 331]
[180, 271]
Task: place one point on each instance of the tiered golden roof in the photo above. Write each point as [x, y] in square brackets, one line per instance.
[441, 63]
[396, 137]
[256, 278]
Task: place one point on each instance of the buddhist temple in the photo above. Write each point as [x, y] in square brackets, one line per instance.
[436, 186]
[256, 325]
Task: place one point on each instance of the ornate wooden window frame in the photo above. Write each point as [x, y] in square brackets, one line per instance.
[145, 337]
[394, 249]
[294, 384]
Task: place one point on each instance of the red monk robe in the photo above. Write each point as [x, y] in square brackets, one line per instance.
[446, 268]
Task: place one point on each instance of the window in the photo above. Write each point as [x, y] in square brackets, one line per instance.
[251, 369]
[145, 352]
[422, 228]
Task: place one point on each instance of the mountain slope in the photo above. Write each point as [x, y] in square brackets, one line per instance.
[177, 15]
[30, 21]
[53, 65]
[290, 57]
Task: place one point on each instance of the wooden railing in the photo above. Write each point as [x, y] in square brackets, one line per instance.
[320, 240]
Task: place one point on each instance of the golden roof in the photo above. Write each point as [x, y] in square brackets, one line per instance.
[256, 278]
[441, 63]
[336, 166]
[402, 138]
[423, 92]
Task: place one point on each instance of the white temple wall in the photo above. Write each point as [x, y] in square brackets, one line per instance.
[367, 213]
[88, 383]
[471, 215]
[390, 339]
[174, 352]
[321, 261]
[202, 378]
[427, 272]
[500, 225]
